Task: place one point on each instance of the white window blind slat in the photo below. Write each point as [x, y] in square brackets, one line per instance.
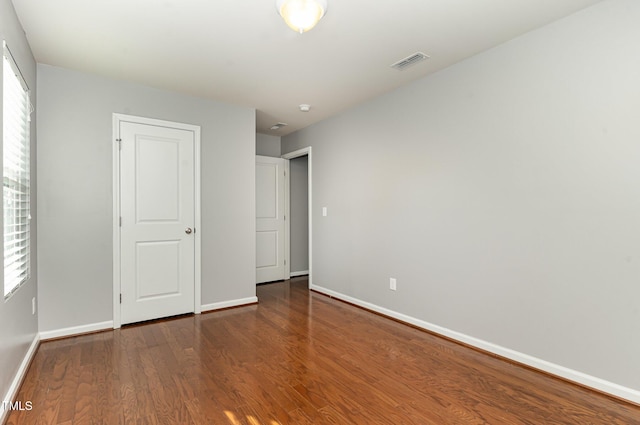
[16, 176]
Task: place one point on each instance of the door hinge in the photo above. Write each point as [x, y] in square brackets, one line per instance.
[120, 221]
[119, 142]
[285, 173]
[120, 298]
[285, 262]
[285, 217]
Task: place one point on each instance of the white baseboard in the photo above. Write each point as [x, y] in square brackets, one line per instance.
[17, 380]
[76, 330]
[301, 273]
[228, 304]
[572, 375]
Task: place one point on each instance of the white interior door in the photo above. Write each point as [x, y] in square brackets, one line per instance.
[157, 210]
[270, 219]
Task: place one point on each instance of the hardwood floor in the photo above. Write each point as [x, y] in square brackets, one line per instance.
[295, 358]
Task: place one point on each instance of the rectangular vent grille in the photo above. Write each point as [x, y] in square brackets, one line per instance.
[409, 61]
[278, 126]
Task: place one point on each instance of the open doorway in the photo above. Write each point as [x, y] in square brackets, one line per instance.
[299, 214]
[299, 204]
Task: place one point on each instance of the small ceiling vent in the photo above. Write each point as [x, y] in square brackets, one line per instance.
[278, 126]
[409, 61]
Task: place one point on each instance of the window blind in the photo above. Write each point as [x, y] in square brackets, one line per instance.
[16, 176]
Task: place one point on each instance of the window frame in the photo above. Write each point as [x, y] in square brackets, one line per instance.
[17, 179]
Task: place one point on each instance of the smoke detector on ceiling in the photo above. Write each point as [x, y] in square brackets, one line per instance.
[409, 61]
[304, 107]
[278, 126]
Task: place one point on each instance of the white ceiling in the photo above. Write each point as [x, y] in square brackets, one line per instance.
[241, 52]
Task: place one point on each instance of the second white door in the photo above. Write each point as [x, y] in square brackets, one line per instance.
[270, 219]
[157, 221]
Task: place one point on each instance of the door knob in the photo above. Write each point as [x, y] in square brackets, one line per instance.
[188, 230]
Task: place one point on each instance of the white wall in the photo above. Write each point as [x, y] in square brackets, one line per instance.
[18, 327]
[267, 145]
[75, 194]
[503, 193]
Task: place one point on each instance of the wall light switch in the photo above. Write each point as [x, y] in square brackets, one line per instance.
[324, 211]
[392, 283]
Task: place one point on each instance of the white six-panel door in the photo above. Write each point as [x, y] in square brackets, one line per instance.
[270, 219]
[157, 209]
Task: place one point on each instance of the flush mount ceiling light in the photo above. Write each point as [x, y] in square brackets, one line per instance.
[301, 15]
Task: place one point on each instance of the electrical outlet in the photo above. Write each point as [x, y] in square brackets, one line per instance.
[33, 305]
[392, 283]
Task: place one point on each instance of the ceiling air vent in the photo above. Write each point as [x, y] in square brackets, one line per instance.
[409, 61]
[278, 126]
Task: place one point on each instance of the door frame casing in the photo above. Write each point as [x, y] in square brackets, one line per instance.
[291, 155]
[287, 221]
[117, 119]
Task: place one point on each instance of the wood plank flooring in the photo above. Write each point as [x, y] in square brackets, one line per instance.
[295, 358]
